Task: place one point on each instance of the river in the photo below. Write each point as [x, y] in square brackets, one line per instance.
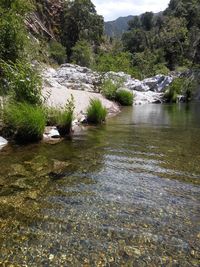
[123, 194]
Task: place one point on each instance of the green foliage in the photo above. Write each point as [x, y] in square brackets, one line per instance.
[112, 91]
[57, 52]
[149, 64]
[22, 81]
[174, 34]
[124, 97]
[82, 54]
[62, 118]
[80, 22]
[13, 34]
[96, 113]
[109, 89]
[120, 61]
[181, 86]
[26, 121]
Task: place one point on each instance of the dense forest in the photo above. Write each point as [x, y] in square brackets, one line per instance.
[72, 31]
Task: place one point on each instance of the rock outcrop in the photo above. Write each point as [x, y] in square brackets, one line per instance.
[46, 19]
[77, 78]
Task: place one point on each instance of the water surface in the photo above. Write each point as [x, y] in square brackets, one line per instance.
[123, 194]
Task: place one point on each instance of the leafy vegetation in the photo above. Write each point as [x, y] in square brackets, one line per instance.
[168, 40]
[96, 113]
[21, 81]
[57, 52]
[27, 122]
[109, 89]
[80, 22]
[113, 91]
[109, 61]
[184, 87]
[82, 54]
[13, 33]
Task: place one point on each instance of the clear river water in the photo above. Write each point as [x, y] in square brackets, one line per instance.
[123, 194]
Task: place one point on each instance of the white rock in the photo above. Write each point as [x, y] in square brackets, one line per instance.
[141, 98]
[3, 142]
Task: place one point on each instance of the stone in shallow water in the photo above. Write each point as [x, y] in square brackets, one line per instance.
[132, 251]
[3, 142]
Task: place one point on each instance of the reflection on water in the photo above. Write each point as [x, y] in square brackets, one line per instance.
[124, 194]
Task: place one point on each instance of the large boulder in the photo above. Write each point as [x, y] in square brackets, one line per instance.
[158, 83]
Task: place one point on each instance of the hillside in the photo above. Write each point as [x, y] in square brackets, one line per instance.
[117, 27]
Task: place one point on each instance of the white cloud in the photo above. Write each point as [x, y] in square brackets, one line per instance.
[112, 9]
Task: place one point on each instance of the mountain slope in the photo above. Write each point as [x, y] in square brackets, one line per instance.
[117, 27]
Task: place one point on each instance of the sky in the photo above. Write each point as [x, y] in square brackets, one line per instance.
[112, 9]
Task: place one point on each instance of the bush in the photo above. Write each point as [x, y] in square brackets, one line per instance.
[174, 89]
[26, 121]
[109, 89]
[13, 33]
[57, 52]
[116, 62]
[82, 54]
[96, 113]
[124, 97]
[181, 86]
[22, 81]
[62, 118]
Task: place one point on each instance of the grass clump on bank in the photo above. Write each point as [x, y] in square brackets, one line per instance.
[113, 92]
[61, 118]
[26, 122]
[96, 113]
[124, 97]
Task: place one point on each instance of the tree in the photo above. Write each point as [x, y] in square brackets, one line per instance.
[173, 39]
[80, 21]
[147, 21]
[82, 54]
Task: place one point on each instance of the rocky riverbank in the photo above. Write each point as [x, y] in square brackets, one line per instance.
[83, 84]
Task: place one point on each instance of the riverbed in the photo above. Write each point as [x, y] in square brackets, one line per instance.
[123, 194]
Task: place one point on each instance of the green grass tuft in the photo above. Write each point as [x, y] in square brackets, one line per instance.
[124, 97]
[27, 122]
[62, 118]
[96, 113]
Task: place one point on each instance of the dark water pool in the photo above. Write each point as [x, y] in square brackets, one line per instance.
[124, 194]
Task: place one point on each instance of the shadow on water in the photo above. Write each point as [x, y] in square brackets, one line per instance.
[123, 194]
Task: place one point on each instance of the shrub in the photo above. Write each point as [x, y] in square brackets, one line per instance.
[62, 118]
[96, 113]
[120, 61]
[124, 97]
[174, 89]
[13, 33]
[26, 121]
[181, 86]
[22, 81]
[82, 54]
[109, 89]
[57, 52]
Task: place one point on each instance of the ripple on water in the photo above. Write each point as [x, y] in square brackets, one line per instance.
[125, 194]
